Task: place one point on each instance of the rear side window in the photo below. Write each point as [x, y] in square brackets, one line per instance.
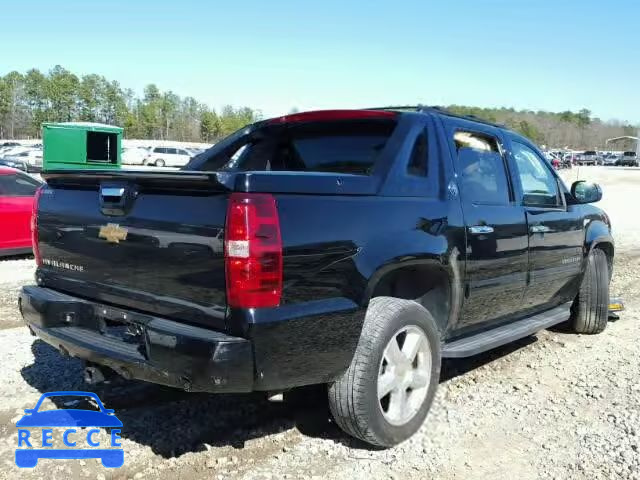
[346, 146]
[483, 177]
[418, 161]
[18, 185]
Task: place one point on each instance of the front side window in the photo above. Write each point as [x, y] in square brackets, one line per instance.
[539, 185]
[483, 177]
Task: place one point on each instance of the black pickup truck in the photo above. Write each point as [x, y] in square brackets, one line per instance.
[352, 248]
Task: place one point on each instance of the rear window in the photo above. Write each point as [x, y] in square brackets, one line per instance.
[345, 146]
[629, 154]
[18, 185]
[590, 153]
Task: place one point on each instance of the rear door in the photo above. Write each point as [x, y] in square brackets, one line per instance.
[497, 250]
[16, 202]
[556, 231]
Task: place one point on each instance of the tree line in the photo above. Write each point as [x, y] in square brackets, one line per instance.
[29, 99]
[575, 130]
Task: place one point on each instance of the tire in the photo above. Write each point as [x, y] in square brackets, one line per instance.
[353, 398]
[159, 163]
[590, 309]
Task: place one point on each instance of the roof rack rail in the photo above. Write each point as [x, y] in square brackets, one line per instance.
[412, 108]
[442, 110]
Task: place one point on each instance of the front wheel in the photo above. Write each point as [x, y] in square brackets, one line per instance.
[590, 309]
[385, 394]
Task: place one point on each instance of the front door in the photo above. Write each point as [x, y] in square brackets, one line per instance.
[496, 254]
[556, 235]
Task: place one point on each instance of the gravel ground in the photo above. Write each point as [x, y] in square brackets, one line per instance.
[551, 406]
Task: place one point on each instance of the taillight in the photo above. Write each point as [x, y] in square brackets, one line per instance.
[34, 227]
[253, 251]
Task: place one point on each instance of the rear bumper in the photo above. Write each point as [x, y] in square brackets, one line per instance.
[139, 346]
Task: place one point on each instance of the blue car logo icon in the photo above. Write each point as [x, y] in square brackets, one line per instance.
[68, 418]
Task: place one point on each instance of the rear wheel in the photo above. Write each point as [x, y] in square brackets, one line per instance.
[590, 309]
[385, 394]
[159, 162]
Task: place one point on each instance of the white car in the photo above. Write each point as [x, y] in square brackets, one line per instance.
[134, 155]
[14, 150]
[167, 157]
[32, 156]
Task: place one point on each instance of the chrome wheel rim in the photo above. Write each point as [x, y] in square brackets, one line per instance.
[404, 375]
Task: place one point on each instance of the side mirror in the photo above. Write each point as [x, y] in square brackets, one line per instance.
[586, 192]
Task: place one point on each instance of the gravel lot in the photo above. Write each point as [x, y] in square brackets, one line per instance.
[551, 406]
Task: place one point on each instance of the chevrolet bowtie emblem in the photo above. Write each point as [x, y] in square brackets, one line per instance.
[113, 233]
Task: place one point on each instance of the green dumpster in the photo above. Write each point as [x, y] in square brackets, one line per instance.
[81, 145]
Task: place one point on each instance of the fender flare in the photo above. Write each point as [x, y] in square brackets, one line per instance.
[452, 268]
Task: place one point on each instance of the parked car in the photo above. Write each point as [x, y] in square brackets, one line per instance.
[610, 159]
[590, 157]
[31, 157]
[195, 151]
[5, 146]
[134, 155]
[572, 158]
[353, 248]
[629, 159]
[17, 191]
[14, 150]
[555, 160]
[14, 163]
[167, 157]
[565, 162]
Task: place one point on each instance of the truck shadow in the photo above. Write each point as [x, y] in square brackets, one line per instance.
[173, 422]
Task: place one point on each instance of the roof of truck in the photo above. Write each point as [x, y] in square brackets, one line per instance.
[440, 111]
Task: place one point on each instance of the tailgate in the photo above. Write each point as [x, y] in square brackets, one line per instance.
[151, 242]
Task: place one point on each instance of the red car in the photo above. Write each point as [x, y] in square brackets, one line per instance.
[17, 190]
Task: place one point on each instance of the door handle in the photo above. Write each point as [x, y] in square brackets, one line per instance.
[111, 191]
[539, 229]
[480, 229]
